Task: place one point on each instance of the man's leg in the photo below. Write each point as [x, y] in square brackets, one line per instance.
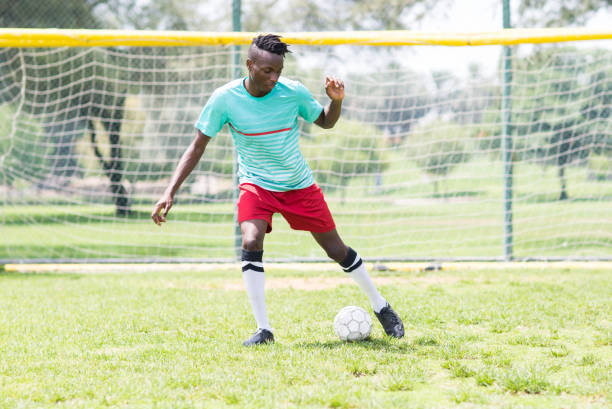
[253, 233]
[353, 265]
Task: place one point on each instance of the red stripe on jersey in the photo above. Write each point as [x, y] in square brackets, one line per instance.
[259, 133]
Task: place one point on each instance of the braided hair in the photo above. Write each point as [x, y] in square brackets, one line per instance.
[271, 43]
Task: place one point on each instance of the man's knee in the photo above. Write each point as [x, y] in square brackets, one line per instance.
[252, 242]
[337, 252]
[253, 234]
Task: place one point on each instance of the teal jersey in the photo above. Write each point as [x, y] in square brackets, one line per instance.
[264, 130]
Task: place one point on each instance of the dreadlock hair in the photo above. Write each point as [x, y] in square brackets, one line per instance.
[271, 43]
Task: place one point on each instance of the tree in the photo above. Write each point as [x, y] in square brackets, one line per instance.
[563, 106]
[50, 13]
[19, 153]
[349, 150]
[92, 14]
[464, 101]
[438, 147]
[171, 96]
[165, 14]
[320, 15]
[64, 91]
[393, 99]
[67, 92]
[560, 14]
[113, 167]
[72, 90]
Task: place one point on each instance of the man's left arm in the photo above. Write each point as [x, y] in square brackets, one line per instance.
[334, 87]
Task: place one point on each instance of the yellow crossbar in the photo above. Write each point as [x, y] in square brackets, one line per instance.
[28, 37]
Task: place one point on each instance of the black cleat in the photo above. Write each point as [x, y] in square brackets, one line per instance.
[390, 321]
[261, 336]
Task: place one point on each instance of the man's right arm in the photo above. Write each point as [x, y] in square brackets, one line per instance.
[188, 162]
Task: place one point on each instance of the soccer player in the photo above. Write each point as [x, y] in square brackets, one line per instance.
[262, 112]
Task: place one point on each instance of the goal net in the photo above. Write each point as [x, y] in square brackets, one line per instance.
[90, 136]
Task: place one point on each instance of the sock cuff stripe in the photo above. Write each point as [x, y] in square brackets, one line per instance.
[253, 263]
[354, 266]
[350, 259]
[251, 267]
[252, 255]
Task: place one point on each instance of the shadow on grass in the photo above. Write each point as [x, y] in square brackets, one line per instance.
[372, 344]
[14, 275]
[554, 198]
[95, 250]
[61, 216]
[456, 194]
[440, 195]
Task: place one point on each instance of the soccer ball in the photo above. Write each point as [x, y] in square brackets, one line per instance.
[353, 324]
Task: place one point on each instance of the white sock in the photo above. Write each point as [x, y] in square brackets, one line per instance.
[354, 266]
[254, 280]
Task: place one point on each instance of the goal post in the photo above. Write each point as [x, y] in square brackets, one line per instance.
[93, 122]
[44, 37]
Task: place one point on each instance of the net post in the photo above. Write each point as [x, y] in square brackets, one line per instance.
[236, 12]
[507, 139]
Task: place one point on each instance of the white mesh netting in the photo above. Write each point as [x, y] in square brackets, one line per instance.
[90, 136]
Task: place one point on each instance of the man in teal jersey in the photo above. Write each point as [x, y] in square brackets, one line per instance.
[262, 112]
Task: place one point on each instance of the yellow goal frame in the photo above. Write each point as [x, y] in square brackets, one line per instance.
[30, 37]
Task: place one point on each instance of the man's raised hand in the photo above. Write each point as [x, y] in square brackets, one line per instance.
[334, 87]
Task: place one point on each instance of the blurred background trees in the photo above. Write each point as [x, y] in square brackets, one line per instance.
[557, 125]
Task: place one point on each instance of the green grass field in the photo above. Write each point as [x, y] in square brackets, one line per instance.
[475, 338]
[405, 219]
[444, 229]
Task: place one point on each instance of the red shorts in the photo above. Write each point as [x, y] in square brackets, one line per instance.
[304, 209]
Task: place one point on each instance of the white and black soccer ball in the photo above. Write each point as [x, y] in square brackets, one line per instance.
[353, 324]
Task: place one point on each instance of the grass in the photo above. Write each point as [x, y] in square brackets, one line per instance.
[404, 219]
[440, 229]
[502, 338]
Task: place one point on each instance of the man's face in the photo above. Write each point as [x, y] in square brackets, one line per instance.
[264, 69]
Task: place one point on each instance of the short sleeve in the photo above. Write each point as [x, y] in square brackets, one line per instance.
[308, 107]
[213, 116]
